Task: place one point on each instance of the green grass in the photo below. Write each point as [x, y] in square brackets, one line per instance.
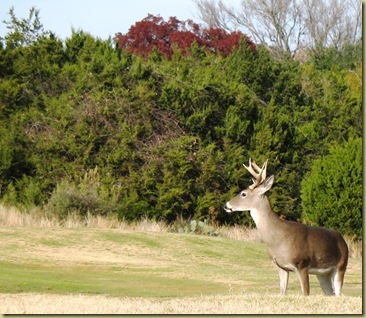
[113, 282]
[133, 264]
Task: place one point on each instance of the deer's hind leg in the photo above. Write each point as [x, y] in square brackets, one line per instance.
[337, 281]
[326, 283]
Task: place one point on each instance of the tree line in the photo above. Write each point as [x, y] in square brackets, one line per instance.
[91, 126]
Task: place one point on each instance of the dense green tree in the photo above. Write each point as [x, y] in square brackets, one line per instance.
[88, 127]
[24, 32]
[332, 191]
[331, 58]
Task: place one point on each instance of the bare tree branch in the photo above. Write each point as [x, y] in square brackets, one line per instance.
[213, 13]
[285, 26]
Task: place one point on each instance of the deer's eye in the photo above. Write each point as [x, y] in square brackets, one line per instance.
[243, 194]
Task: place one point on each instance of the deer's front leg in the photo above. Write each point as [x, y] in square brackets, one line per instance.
[283, 280]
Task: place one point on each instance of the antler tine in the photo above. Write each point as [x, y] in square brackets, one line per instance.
[264, 170]
[251, 170]
[259, 175]
[256, 175]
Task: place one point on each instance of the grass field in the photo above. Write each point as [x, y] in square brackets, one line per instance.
[58, 270]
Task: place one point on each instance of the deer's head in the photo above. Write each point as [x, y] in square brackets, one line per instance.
[249, 198]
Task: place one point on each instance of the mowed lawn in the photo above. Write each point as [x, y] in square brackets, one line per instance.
[153, 267]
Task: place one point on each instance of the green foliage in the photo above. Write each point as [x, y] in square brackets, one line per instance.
[85, 196]
[346, 57]
[23, 31]
[332, 192]
[168, 135]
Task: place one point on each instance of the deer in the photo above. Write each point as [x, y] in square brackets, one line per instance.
[293, 246]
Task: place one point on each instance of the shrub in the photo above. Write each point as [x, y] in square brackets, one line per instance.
[87, 196]
[332, 192]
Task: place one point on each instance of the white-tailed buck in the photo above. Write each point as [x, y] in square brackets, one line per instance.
[293, 246]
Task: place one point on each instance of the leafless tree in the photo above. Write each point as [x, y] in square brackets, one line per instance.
[286, 26]
[214, 14]
[333, 22]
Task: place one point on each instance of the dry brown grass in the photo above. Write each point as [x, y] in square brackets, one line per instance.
[12, 217]
[354, 247]
[240, 233]
[253, 303]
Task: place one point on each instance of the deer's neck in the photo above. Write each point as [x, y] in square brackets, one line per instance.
[267, 222]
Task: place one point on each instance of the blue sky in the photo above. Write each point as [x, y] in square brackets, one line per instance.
[101, 18]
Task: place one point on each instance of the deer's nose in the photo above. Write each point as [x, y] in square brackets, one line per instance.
[228, 208]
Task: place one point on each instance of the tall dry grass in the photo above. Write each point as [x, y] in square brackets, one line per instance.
[354, 247]
[12, 217]
[239, 233]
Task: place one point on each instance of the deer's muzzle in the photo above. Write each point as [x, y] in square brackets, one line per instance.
[228, 208]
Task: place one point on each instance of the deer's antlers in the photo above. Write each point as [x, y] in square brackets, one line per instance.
[259, 175]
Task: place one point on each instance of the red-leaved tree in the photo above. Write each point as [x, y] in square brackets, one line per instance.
[153, 31]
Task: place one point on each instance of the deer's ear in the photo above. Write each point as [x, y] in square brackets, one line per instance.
[266, 185]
